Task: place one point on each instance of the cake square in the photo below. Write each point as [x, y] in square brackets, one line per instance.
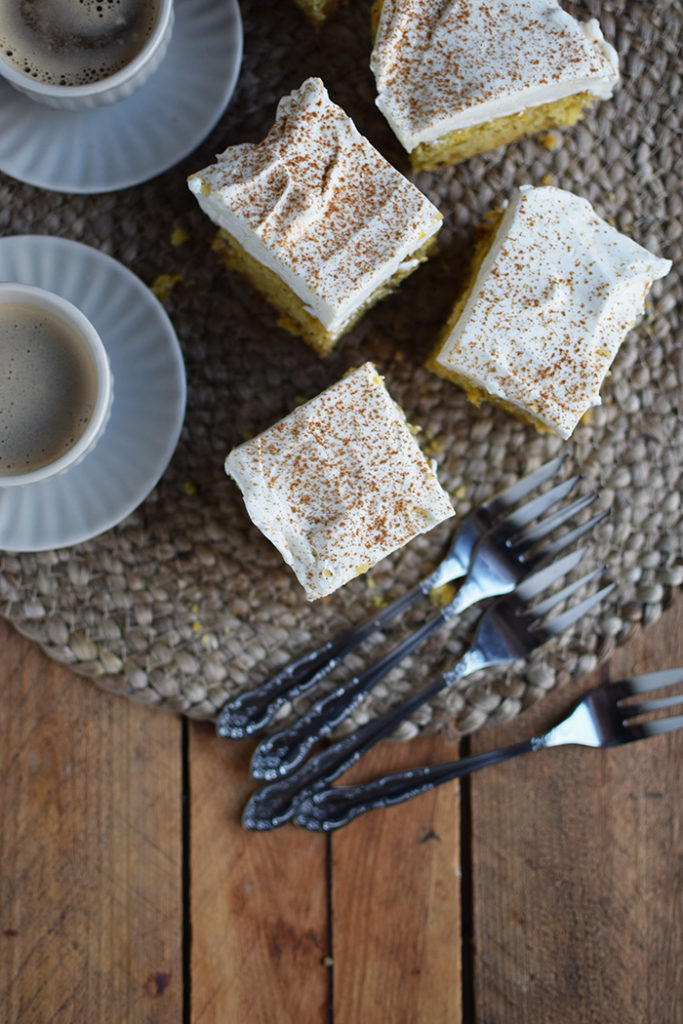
[339, 483]
[552, 294]
[460, 78]
[315, 217]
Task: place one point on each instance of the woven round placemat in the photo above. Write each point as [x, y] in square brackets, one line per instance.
[185, 602]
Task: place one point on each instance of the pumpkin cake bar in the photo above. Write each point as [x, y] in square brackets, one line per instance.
[315, 218]
[339, 483]
[463, 77]
[553, 291]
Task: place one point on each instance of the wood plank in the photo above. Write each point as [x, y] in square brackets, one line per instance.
[259, 901]
[90, 849]
[396, 941]
[578, 908]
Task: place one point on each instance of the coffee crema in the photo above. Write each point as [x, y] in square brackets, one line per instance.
[74, 42]
[48, 388]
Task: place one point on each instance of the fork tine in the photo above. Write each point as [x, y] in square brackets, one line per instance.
[660, 725]
[537, 531]
[566, 540]
[644, 707]
[538, 506]
[543, 607]
[645, 683]
[572, 615]
[541, 580]
[513, 494]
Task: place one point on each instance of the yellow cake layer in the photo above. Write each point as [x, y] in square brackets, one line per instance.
[476, 394]
[375, 12]
[293, 316]
[466, 142]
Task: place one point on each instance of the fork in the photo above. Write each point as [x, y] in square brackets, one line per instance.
[510, 629]
[504, 557]
[604, 718]
[251, 712]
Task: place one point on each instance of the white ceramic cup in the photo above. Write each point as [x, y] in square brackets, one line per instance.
[78, 325]
[111, 89]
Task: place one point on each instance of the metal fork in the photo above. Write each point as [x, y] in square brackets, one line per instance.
[251, 712]
[504, 557]
[604, 718]
[510, 629]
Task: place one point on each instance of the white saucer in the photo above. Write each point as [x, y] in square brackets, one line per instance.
[129, 142]
[149, 397]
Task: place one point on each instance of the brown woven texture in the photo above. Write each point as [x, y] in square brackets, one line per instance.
[185, 602]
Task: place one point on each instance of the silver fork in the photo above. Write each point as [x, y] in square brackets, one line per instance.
[251, 712]
[510, 629]
[504, 557]
[604, 718]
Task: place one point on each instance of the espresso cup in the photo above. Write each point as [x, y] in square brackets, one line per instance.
[80, 54]
[56, 385]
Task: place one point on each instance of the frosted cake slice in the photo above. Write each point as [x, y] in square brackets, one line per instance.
[553, 291]
[315, 218]
[339, 483]
[462, 77]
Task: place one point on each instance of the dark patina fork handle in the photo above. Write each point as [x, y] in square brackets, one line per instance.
[604, 718]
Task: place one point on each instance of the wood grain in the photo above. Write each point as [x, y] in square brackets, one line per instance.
[259, 910]
[574, 887]
[90, 850]
[577, 880]
[396, 938]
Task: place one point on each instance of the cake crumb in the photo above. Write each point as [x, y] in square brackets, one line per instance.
[435, 446]
[443, 595]
[179, 235]
[163, 285]
[549, 140]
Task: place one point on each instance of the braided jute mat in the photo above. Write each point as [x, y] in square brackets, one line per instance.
[185, 602]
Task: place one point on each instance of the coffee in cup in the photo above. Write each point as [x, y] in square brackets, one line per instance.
[79, 53]
[55, 384]
[74, 42]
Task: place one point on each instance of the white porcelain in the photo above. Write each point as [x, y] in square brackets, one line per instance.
[79, 325]
[146, 413]
[126, 143]
[111, 89]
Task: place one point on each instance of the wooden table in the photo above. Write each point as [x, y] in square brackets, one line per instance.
[544, 890]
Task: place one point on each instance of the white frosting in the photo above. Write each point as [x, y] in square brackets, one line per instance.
[318, 205]
[551, 303]
[440, 67]
[339, 483]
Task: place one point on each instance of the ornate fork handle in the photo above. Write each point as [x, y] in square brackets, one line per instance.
[329, 809]
[509, 630]
[276, 803]
[279, 754]
[251, 712]
[606, 716]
